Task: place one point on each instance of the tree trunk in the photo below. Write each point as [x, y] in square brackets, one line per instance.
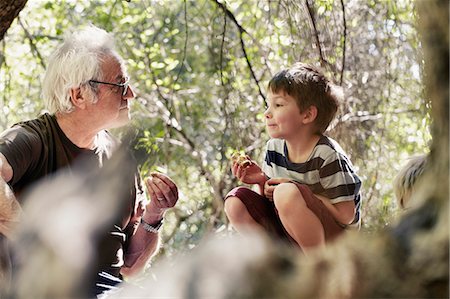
[9, 10]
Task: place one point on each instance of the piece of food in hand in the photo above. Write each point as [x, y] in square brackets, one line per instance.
[241, 159]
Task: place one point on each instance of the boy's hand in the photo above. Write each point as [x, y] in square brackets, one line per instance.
[270, 185]
[247, 171]
[241, 159]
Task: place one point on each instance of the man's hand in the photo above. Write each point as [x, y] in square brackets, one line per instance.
[10, 209]
[138, 212]
[270, 185]
[163, 194]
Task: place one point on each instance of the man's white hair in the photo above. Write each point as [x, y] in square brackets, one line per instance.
[73, 64]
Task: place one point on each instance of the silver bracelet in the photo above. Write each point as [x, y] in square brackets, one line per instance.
[150, 228]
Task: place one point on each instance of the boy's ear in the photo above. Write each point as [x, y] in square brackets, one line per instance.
[310, 114]
[76, 97]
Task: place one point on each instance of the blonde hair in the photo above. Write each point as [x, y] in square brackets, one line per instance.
[73, 64]
[406, 179]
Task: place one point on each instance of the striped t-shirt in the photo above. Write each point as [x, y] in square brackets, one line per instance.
[327, 171]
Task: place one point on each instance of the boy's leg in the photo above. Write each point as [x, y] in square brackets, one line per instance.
[304, 216]
[238, 214]
[299, 221]
[248, 209]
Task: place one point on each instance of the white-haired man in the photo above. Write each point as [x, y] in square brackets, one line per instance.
[87, 90]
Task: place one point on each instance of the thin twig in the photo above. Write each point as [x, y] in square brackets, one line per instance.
[111, 13]
[230, 15]
[185, 46]
[32, 45]
[343, 44]
[221, 48]
[315, 34]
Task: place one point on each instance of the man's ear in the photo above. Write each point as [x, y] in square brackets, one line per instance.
[76, 97]
[310, 114]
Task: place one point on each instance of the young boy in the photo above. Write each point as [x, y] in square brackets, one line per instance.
[309, 192]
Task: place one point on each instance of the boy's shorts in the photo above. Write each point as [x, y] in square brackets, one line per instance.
[264, 212]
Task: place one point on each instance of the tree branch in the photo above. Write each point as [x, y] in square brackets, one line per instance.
[230, 15]
[323, 61]
[170, 121]
[9, 10]
[32, 45]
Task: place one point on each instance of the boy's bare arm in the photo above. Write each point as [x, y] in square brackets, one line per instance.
[343, 212]
[10, 209]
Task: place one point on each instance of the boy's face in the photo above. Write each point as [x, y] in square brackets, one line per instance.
[283, 116]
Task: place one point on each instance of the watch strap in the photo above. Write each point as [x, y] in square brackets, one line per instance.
[151, 228]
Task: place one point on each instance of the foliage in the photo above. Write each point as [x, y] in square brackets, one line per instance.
[200, 70]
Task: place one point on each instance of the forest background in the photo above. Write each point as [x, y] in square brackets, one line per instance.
[200, 70]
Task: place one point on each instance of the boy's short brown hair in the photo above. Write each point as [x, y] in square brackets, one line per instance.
[309, 87]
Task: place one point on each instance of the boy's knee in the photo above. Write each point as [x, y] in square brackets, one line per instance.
[285, 196]
[286, 191]
[234, 207]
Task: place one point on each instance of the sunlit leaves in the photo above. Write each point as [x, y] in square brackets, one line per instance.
[197, 99]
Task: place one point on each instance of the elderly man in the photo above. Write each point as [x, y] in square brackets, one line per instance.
[87, 90]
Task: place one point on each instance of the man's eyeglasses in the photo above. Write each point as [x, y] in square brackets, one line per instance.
[124, 85]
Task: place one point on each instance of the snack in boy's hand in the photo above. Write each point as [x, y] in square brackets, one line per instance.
[241, 159]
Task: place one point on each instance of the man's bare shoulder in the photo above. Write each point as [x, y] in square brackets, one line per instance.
[6, 171]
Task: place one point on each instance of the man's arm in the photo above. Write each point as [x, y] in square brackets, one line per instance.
[10, 210]
[144, 244]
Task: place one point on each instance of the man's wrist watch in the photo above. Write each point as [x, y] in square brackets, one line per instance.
[151, 228]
